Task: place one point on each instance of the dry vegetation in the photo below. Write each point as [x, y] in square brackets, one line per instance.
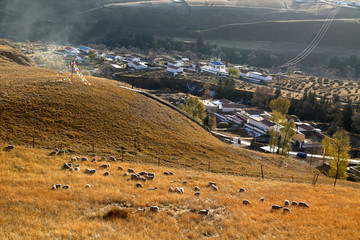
[107, 210]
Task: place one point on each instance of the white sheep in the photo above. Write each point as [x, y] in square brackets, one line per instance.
[154, 188]
[111, 158]
[77, 169]
[171, 189]
[126, 174]
[9, 147]
[275, 207]
[53, 187]
[303, 204]
[105, 165]
[204, 211]
[215, 187]
[106, 173]
[181, 190]
[130, 170]
[293, 203]
[262, 199]
[73, 159]
[140, 210]
[103, 158]
[58, 185]
[246, 202]
[120, 168]
[212, 183]
[197, 194]
[93, 155]
[139, 185]
[184, 182]
[242, 190]
[196, 188]
[286, 210]
[286, 202]
[154, 209]
[84, 159]
[65, 187]
[87, 186]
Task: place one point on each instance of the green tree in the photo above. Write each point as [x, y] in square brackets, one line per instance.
[212, 122]
[20, 47]
[194, 108]
[280, 105]
[273, 139]
[91, 55]
[288, 132]
[277, 93]
[347, 115]
[338, 151]
[234, 72]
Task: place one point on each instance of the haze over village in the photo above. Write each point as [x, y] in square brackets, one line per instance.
[180, 119]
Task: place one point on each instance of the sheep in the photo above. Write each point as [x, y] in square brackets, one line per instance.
[65, 187]
[204, 212]
[143, 173]
[171, 189]
[10, 147]
[166, 173]
[286, 210]
[93, 160]
[103, 158]
[246, 202]
[71, 169]
[293, 203]
[66, 165]
[76, 165]
[154, 188]
[154, 209]
[93, 155]
[120, 168]
[53, 153]
[242, 190]
[275, 207]
[106, 173]
[303, 204]
[58, 185]
[53, 187]
[215, 187]
[140, 210]
[84, 159]
[90, 171]
[142, 179]
[197, 194]
[73, 159]
[177, 190]
[196, 188]
[181, 190]
[61, 152]
[286, 202]
[262, 199]
[87, 186]
[184, 182]
[150, 176]
[139, 185]
[212, 183]
[111, 158]
[171, 173]
[105, 165]
[130, 170]
[77, 169]
[134, 176]
[126, 174]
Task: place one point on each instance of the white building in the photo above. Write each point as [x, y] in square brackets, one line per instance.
[259, 76]
[175, 64]
[137, 65]
[71, 51]
[174, 69]
[131, 59]
[215, 67]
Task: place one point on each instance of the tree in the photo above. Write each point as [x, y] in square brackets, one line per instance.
[277, 93]
[234, 72]
[194, 108]
[338, 151]
[280, 105]
[20, 47]
[356, 122]
[273, 139]
[288, 133]
[91, 55]
[206, 94]
[262, 97]
[347, 115]
[326, 142]
[212, 122]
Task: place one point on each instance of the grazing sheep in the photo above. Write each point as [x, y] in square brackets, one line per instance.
[197, 188]
[66, 165]
[142, 179]
[262, 199]
[154, 209]
[303, 204]
[286, 202]
[61, 152]
[103, 158]
[171, 173]
[53, 153]
[71, 169]
[215, 187]
[172, 181]
[242, 190]
[120, 168]
[93, 155]
[204, 212]
[9, 147]
[76, 165]
[171, 189]
[166, 173]
[84, 159]
[73, 159]
[154, 188]
[65, 187]
[105, 165]
[93, 160]
[275, 207]
[177, 190]
[77, 169]
[197, 194]
[140, 210]
[53, 187]
[90, 171]
[106, 173]
[58, 185]
[139, 185]
[293, 203]
[150, 176]
[181, 190]
[143, 173]
[134, 176]
[212, 183]
[184, 182]
[126, 174]
[111, 158]
[246, 202]
[130, 170]
[286, 210]
[87, 186]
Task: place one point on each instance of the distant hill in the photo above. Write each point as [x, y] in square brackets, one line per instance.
[108, 117]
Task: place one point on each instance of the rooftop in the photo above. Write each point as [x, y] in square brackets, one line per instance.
[217, 63]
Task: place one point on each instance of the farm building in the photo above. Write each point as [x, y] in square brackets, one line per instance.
[137, 65]
[215, 67]
[174, 69]
[259, 76]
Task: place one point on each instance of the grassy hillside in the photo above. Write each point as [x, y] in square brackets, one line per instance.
[30, 210]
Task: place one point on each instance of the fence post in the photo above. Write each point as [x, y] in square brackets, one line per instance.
[158, 161]
[262, 172]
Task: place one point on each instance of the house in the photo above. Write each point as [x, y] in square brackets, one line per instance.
[85, 49]
[137, 65]
[306, 127]
[229, 106]
[215, 67]
[258, 76]
[175, 70]
[116, 68]
[129, 59]
[71, 51]
[175, 64]
[59, 52]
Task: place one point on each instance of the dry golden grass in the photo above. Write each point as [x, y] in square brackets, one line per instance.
[30, 210]
[76, 117]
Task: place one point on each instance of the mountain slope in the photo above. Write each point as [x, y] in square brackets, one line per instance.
[35, 109]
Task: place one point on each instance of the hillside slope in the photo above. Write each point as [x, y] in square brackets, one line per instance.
[35, 109]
